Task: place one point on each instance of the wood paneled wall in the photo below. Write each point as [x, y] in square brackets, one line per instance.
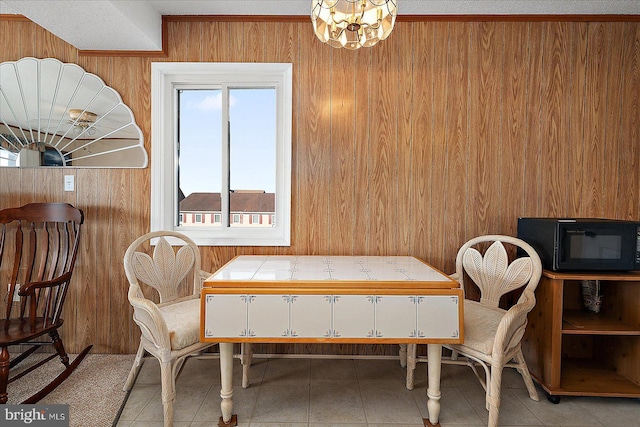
[445, 131]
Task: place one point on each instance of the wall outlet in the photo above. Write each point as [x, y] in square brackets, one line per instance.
[16, 297]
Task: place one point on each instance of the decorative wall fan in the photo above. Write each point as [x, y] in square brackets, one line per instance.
[57, 114]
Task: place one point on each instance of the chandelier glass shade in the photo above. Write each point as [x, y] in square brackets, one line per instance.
[352, 24]
[82, 121]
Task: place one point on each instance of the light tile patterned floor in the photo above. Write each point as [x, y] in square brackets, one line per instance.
[356, 393]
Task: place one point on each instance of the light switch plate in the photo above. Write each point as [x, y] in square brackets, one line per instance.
[69, 184]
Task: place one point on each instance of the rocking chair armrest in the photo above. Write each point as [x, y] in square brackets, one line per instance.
[30, 288]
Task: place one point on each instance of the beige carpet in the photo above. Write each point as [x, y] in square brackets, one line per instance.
[93, 391]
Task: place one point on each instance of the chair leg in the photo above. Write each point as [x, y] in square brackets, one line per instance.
[526, 376]
[137, 364]
[411, 365]
[168, 392]
[246, 355]
[493, 395]
[57, 343]
[4, 374]
[402, 355]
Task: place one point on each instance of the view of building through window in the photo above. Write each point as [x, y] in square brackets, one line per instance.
[230, 184]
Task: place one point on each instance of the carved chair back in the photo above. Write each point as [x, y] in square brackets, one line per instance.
[493, 273]
[151, 259]
[38, 247]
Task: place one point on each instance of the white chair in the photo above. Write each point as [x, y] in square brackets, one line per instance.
[171, 328]
[492, 335]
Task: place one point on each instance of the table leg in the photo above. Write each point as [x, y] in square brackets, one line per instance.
[434, 354]
[226, 379]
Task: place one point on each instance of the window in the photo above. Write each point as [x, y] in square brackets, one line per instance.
[198, 218]
[221, 143]
[255, 219]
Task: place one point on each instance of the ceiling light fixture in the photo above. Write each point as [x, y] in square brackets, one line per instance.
[352, 24]
[82, 120]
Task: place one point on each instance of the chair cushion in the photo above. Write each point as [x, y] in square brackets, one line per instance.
[183, 323]
[480, 326]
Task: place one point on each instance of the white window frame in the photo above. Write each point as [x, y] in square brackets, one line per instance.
[165, 76]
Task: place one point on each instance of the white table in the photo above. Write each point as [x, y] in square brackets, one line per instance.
[328, 299]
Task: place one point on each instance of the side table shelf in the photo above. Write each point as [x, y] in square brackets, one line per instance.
[573, 351]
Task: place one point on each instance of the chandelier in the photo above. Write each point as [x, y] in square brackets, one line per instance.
[82, 121]
[353, 23]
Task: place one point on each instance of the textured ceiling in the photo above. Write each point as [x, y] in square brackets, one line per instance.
[137, 24]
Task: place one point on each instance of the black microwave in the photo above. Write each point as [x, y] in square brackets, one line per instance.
[583, 244]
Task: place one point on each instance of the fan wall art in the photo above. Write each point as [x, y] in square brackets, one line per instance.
[56, 114]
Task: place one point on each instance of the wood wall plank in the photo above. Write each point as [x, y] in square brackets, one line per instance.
[26, 35]
[10, 51]
[628, 200]
[513, 138]
[444, 131]
[361, 124]
[342, 145]
[86, 283]
[614, 77]
[404, 138]
[532, 161]
[215, 39]
[383, 139]
[595, 120]
[425, 65]
[457, 133]
[311, 219]
[555, 117]
[119, 239]
[575, 166]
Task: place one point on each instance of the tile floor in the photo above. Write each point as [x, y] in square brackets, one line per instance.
[355, 393]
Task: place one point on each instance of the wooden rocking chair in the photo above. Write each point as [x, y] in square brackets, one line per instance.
[38, 247]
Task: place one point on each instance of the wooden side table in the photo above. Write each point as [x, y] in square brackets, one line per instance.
[573, 351]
